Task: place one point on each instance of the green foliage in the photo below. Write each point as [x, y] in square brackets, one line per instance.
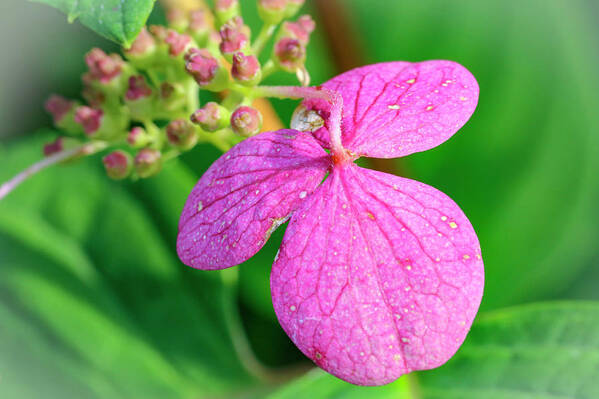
[317, 384]
[117, 20]
[540, 351]
[99, 292]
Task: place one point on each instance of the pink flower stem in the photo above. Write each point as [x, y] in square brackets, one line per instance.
[336, 101]
[86, 149]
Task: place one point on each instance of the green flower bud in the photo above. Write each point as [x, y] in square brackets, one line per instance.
[181, 134]
[226, 9]
[272, 12]
[211, 117]
[148, 162]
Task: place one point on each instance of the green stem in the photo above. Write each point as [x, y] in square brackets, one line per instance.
[216, 140]
[409, 385]
[265, 34]
[242, 347]
[235, 97]
[193, 99]
[242, 91]
[153, 78]
[171, 154]
[85, 149]
[269, 68]
[235, 327]
[156, 136]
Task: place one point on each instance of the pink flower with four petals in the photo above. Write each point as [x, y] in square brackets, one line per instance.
[377, 275]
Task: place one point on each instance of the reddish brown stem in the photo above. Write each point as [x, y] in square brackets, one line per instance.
[348, 53]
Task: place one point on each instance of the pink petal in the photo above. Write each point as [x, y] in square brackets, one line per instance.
[397, 108]
[245, 195]
[377, 276]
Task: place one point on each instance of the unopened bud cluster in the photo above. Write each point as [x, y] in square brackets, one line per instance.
[145, 104]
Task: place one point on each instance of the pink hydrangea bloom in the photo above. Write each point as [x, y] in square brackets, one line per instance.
[377, 275]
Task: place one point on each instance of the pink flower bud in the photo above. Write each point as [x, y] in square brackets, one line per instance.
[143, 44]
[246, 69]
[246, 121]
[58, 107]
[214, 39]
[138, 88]
[103, 67]
[177, 19]
[224, 5]
[148, 162]
[299, 30]
[200, 26]
[63, 112]
[61, 144]
[138, 137]
[54, 146]
[226, 9]
[234, 35]
[202, 65]
[205, 68]
[89, 118]
[177, 42]
[211, 117]
[118, 164]
[181, 134]
[159, 32]
[199, 21]
[290, 54]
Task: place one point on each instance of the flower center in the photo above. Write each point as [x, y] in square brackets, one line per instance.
[343, 157]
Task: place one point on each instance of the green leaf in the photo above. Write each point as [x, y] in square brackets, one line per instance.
[42, 279]
[24, 371]
[318, 384]
[541, 351]
[83, 261]
[117, 20]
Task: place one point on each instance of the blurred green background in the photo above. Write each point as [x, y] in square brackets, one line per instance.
[95, 304]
